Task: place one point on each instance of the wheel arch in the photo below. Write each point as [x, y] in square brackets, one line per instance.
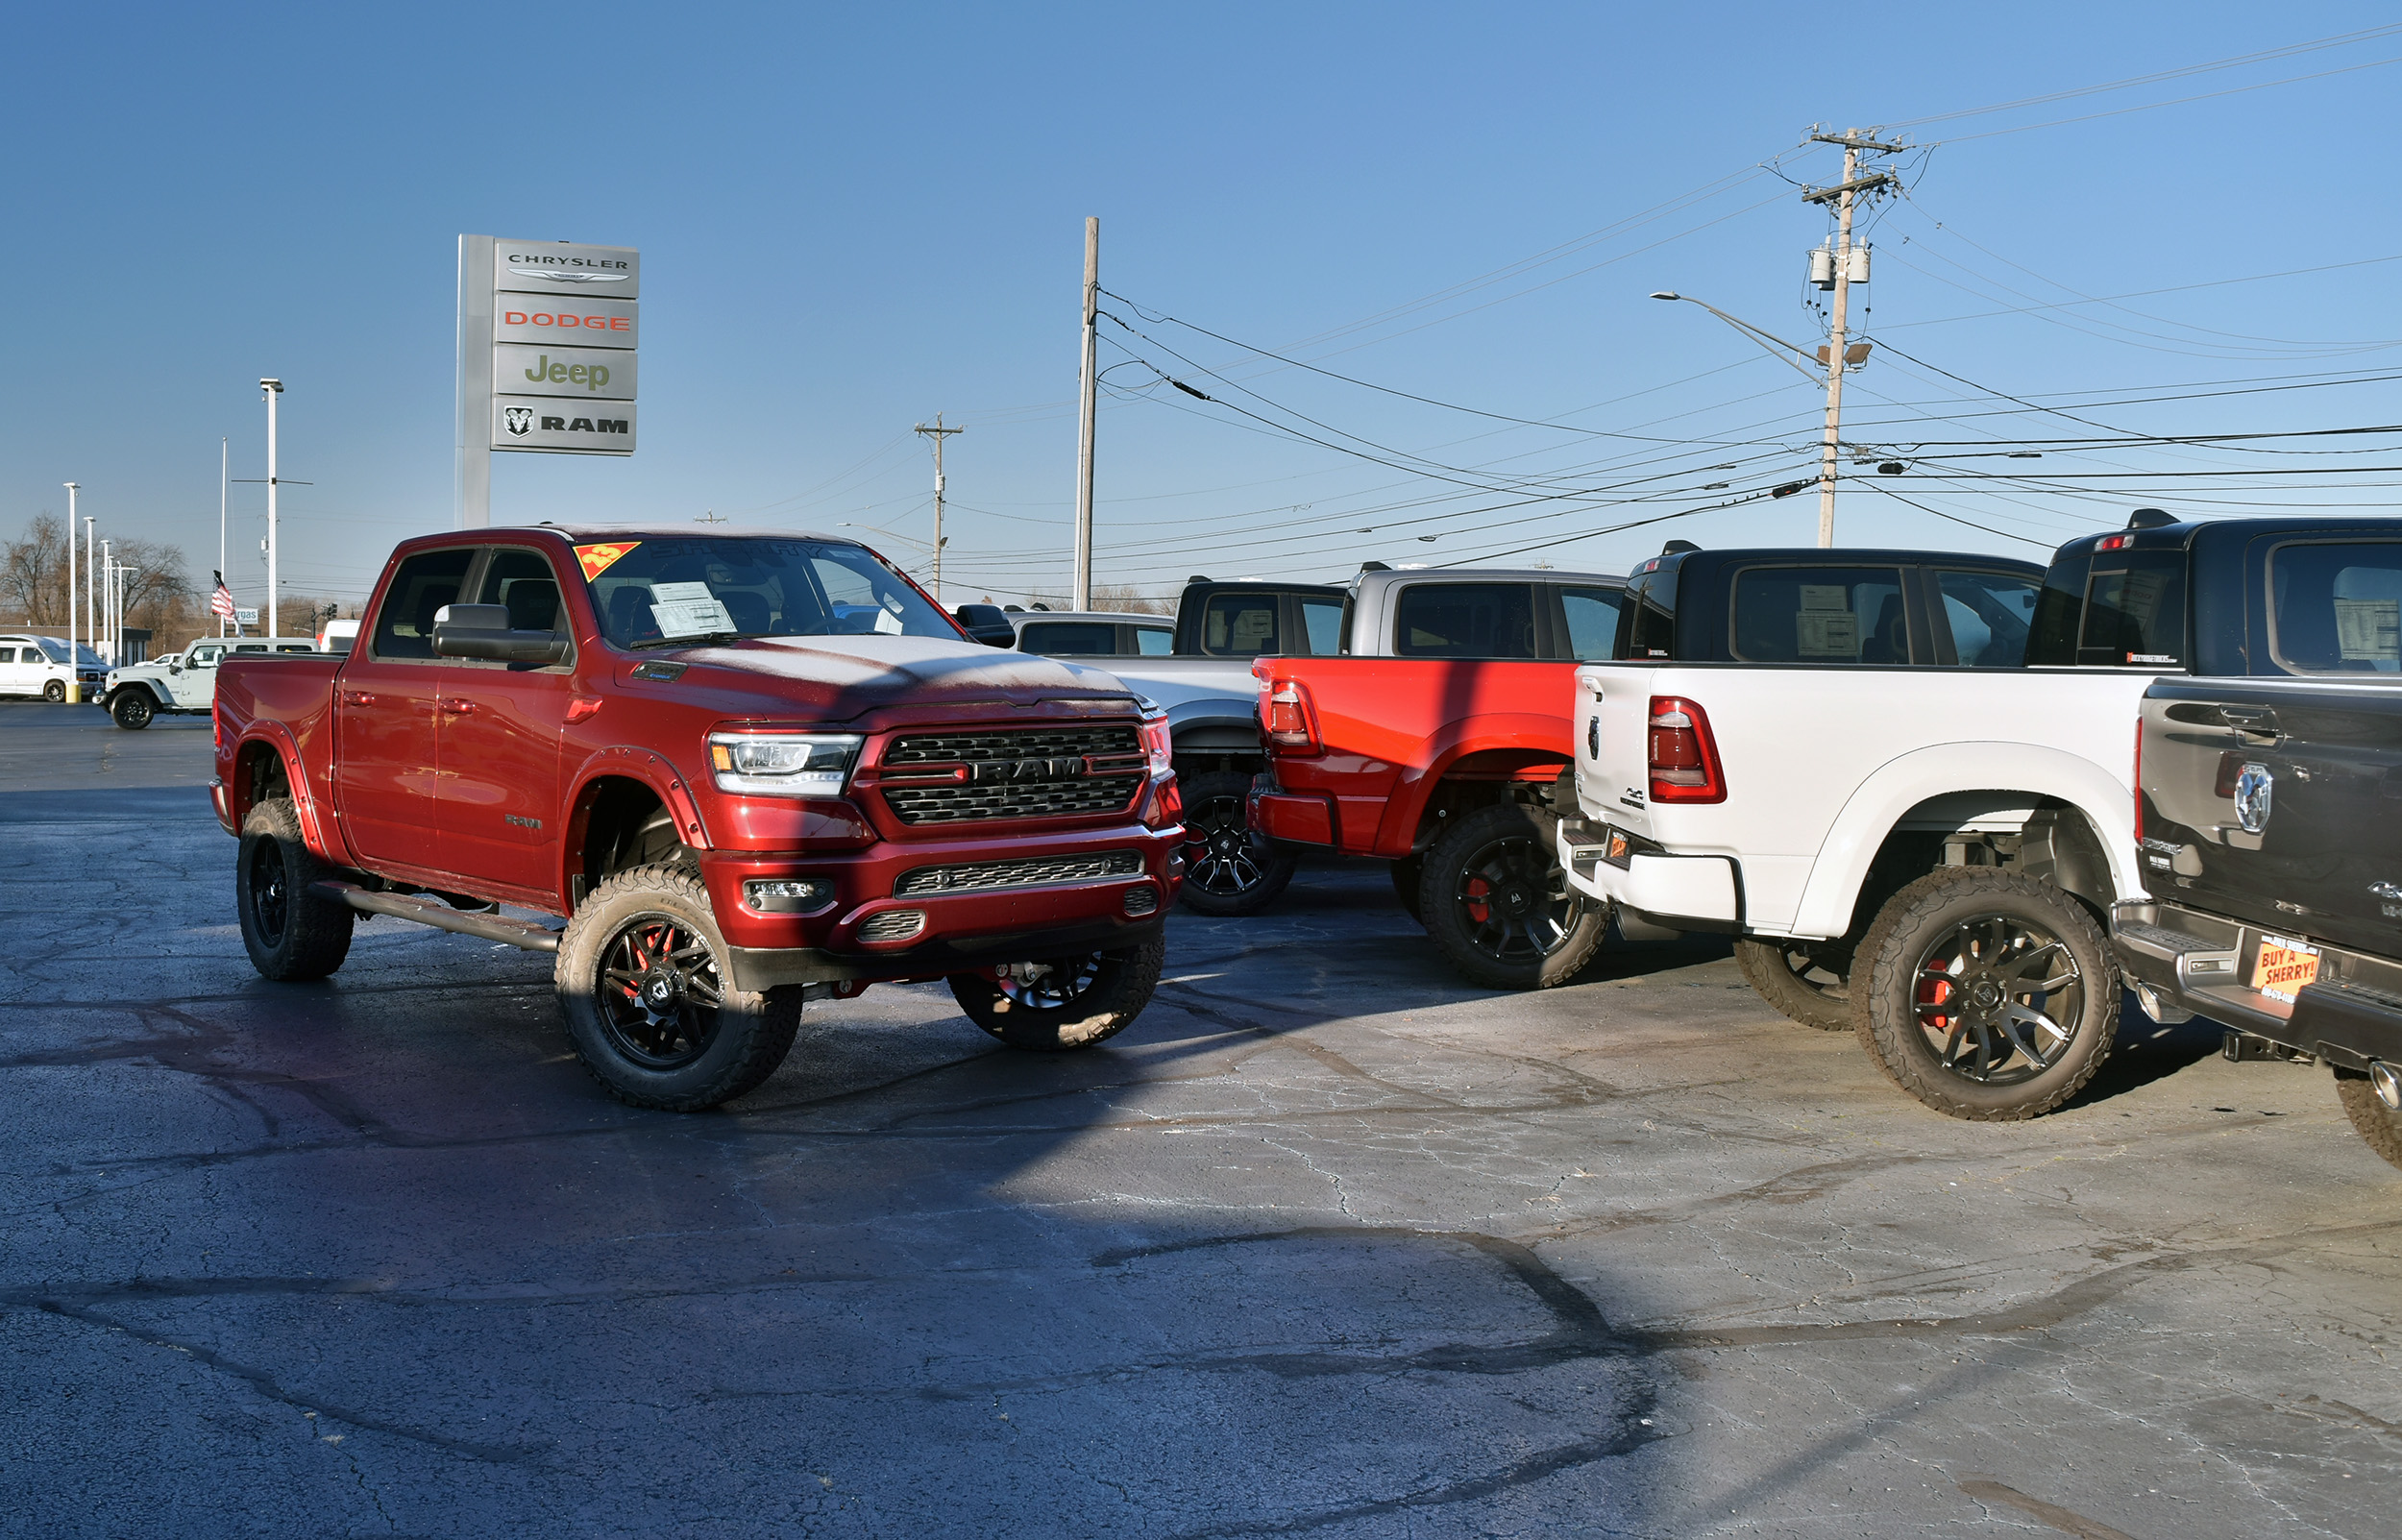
[616, 806]
[2083, 813]
[268, 763]
[1470, 764]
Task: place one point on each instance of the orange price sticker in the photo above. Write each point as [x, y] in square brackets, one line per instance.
[597, 558]
[2284, 967]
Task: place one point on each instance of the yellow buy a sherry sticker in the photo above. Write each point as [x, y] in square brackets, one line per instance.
[597, 558]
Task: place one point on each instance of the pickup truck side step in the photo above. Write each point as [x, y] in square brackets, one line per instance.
[525, 933]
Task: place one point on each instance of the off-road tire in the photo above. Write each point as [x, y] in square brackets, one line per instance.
[2376, 1122]
[729, 1049]
[1029, 1013]
[132, 709]
[290, 933]
[54, 691]
[1884, 988]
[1408, 873]
[1229, 868]
[1448, 907]
[1768, 967]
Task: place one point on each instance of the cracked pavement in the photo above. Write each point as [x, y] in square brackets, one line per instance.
[1327, 1243]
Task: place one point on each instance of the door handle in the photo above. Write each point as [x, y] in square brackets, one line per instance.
[2251, 720]
[459, 706]
[358, 698]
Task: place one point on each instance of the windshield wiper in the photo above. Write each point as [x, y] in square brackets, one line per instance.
[704, 638]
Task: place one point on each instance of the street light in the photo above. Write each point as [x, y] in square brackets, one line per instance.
[1776, 345]
[74, 674]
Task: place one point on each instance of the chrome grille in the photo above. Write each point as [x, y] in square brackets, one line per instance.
[1032, 773]
[986, 875]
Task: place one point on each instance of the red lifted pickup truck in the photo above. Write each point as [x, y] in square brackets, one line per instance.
[748, 770]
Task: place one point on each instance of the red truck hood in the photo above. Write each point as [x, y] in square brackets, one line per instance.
[835, 678]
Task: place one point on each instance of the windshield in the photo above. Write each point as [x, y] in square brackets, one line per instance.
[56, 650]
[653, 593]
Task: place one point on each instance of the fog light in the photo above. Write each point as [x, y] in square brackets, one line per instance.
[1142, 901]
[788, 895]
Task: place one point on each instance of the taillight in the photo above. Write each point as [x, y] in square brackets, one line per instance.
[1683, 754]
[2138, 775]
[1291, 723]
[1156, 745]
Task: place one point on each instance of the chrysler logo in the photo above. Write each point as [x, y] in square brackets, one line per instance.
[559, 276]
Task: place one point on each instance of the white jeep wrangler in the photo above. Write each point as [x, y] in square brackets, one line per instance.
[183, 682]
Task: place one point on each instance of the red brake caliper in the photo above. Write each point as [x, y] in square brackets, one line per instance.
[1479, 889]
[1934, 989]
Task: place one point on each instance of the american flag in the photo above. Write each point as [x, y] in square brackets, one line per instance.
[221, 602]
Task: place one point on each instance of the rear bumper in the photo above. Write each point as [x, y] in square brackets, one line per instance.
[2186, 960]
[1683, 892]
[1297, 817]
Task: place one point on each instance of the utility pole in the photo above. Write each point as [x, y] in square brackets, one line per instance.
[274, 389]
[1083, 580]
[74, 674]
[1843, 195]
[938, 433]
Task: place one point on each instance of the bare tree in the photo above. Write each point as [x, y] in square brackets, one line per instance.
[158, 591]
[33, 571]
[1124, 598]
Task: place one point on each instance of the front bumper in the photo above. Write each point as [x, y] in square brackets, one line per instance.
[868, 931]
[1681, 893]
[2182, 961]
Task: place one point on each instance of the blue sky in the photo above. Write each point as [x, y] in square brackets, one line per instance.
[854, 218]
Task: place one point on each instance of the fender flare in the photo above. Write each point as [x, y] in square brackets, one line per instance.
[1526, 733]
[320, 832]
[2006, 770]
[633, 762]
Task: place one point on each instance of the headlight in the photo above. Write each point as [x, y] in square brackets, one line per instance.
[1158, 746]
[783, 763]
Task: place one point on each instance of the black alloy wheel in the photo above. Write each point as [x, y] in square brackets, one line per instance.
[660, 993]
[1808, 981]
[54, 691]
[267, 885]
[132, 709]
[1493, 896]
[1997, 999]
[1059, 1004]
[290, 931]
[1229, 869]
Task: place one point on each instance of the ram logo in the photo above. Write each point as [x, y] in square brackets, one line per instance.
[1028, 769]
[520, 420]
[2255, 791]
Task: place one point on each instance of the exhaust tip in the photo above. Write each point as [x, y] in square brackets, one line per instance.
[2387, 1084]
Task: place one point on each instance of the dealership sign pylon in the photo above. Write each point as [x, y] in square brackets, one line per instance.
[548, 333]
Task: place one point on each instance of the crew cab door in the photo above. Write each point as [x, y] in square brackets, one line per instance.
[386, 742]
[500, 725]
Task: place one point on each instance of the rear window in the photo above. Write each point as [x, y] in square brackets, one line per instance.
[1072, 639]
[1240, 624]
[2134, 611]
[1323, 619]
[423, 583]
[1819, 614]
[1154, 641]
[1592, 616]
[1465, 620]
[1647, 628]
[2336, 607]
[1990, 616]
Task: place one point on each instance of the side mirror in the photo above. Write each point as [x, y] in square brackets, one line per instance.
[987, 624]
[482, 631]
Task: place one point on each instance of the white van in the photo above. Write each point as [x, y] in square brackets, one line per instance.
[36, 666]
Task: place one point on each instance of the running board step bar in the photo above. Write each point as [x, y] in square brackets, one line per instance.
[526, 933]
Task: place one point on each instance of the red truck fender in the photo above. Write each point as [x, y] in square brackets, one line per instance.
[632, 762]
[1517, 739]
[321, 824]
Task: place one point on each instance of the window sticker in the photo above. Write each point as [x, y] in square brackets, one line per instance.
[2368, 630]
[1824, 626]
[595, 559]
[687, 609]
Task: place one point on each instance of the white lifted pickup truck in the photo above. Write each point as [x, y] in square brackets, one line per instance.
[1853, 770]
[183, 682]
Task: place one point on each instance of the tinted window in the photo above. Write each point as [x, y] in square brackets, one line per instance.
[2336, 608]
[1819, 614]
[1465, 620]
[1648, 628]
[1989, 615]
[8, 654]
[1240, 624]
[1073, 639]
[521, 580]
[2135, 612]
[425, 583]
[1323, 619]
[1154, 641]
[1592, 619]
[688, 589]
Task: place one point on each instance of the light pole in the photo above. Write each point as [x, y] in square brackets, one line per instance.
[74, 674]
[91, 581]
[225, 470]
[106, 635]
[1856, 353]
[274, 389]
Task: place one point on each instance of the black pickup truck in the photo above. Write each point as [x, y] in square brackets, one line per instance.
[2269, 806]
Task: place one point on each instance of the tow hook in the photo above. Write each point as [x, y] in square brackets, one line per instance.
[2245, 1047]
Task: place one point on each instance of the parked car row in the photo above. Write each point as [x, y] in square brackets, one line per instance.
[1910, 787]
[37, 667]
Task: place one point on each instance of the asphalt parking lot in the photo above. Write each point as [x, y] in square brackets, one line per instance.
[1327, 1243]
